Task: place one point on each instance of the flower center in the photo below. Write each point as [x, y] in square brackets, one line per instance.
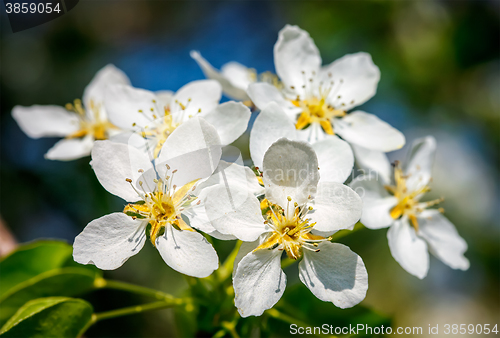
[163, 131]
[163, 206]
[313, 102]
[163, 126]
[316, 110]
[98, 127]
[291, 229]
[408, 201]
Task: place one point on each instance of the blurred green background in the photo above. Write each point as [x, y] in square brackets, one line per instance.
[440, 69]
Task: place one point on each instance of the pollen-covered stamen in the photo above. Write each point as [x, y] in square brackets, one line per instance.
[314, 106]
[408, 201]
[93, 123]
[291, 230]
[259, 175]
[184, 107]
[162, 205]
[161, 126]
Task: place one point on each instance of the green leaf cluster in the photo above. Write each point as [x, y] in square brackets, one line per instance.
[36, 282]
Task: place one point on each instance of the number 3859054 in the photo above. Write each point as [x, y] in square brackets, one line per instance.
[32, 8]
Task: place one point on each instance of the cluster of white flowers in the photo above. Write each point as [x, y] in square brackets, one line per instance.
[163, 154]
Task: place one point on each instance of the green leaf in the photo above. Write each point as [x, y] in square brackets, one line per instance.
[50, 317]
[57, 282]
[32, 259]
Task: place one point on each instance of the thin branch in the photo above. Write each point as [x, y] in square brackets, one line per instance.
[136, 309]
[102, 283]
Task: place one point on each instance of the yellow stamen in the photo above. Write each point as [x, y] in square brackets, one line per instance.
[327, 127]
[291, 234]
[163, 206]
[303, 121]
[316, 110]
[264, 204]
[164, 131]
[97, 126]
[408, 201]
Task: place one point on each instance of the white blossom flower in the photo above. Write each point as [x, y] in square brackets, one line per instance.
[151, 117]
[234, 77]
[298, 221]
[161, 195]
[414, 229]
[79, 123]
[316, 98]
[335, 157]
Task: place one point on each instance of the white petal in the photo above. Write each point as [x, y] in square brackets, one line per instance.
[335, 159]
[312, 134]
[199, 220]
[197, 96]
[134, 139]
[368, 131]
[419, 162]
[377, 202]
[336, 207]
[245, 249]
[376, 213]
[290, 169]
[187, 252]
[355, 78]
[233, 174]
[262, 94]
[197, 214]
[409, 250]
[193, 148]
[113, 163]
[239, 75]
[270, 125]
[371, 162]
[222, 237]
[443, 239]
[295, 53]
[230, 89]
[334, 274]
[230, 119]
[369, 187]
[164, 98]
[130, 108]
[71, 149]
[95, 90]
[259, 282]
[235, 212]
[45, 121]
[108, 242]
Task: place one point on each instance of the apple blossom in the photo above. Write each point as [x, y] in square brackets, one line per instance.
[302, 215]
[79, 123]
[413, 228]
